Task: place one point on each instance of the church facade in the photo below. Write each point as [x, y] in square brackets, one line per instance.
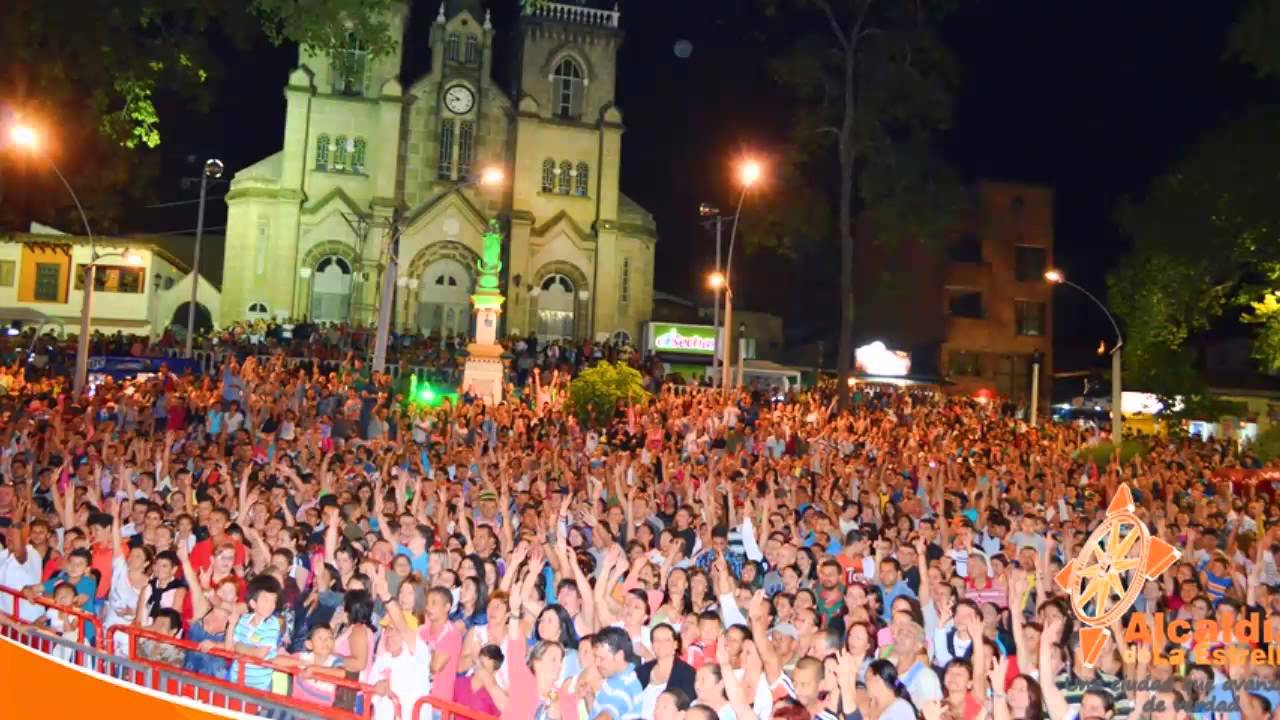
[310, 228]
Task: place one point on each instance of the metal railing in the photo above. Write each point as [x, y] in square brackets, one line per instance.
[84, 620]
[448, 710]
[177, 681]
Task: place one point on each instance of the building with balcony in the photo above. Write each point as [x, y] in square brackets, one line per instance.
[139, 286]
[996, 303]
[973, 308]
[367, 154]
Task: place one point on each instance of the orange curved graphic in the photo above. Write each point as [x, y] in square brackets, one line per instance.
[1105, 579]
[35, 685]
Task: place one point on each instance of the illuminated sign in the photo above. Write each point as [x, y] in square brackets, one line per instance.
[876, 359]
[684, 339]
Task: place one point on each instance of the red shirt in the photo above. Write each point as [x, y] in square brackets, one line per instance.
[202, 553]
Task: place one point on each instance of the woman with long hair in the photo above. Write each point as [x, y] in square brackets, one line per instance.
[473, 602]
[887, 695]
[555, 625]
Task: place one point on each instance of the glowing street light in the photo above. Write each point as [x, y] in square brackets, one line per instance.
[750, 173]
[715, 280]
[25, 136]
[492, 176]
[1056, 277]
[28, 138]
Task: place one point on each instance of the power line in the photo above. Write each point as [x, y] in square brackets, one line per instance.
[180, 202]
[207, 228]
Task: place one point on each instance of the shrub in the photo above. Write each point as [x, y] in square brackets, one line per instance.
[596, 392]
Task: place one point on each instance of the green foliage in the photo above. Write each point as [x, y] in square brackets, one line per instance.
[95, 76]
[1206, 238]
[1266, 313]
[1253, 37]
[1104, 453]
[596, 392]
[1267, 444]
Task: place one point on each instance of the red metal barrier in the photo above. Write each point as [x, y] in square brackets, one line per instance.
[84, 619]
[448, 710]
[135, 634]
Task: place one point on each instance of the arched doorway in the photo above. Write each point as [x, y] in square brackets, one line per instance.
[557, 300]
[204, 319]
[444, 299]
[331, 290]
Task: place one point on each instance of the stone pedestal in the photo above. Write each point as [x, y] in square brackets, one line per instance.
[484, 371]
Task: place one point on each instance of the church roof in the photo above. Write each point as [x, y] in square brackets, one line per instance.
[270, 167]
[475, 7]
[630, 212]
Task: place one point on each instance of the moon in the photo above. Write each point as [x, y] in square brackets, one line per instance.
[683, 49]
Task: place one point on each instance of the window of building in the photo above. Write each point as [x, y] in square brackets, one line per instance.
[1029, 316]
[453, 48]
[548, 175]
[624, 282]
[567, 88]
[340, 152]
[963, 302]
[566, 176]
[1029, 262]
[621, 337]
[359, 150]
[350, 64]
[48, 277]
[967, 249]
[473, 50]
[580, 177]
[963, 363]
[445, 168]
[258, 311]
[322, 152]
[466, 148]
[113, 278]
[8, 271]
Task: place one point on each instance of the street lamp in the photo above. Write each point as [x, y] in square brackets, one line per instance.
[489, 177]
[27, 138]
[1117, 417]
[749, 172]
[212, 171]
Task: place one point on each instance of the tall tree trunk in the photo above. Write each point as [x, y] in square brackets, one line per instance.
[844, 351]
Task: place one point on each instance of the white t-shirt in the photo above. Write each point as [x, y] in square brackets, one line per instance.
[123, 597]
[898, 710]
[922, 683]
[409, 675]
[19, 575]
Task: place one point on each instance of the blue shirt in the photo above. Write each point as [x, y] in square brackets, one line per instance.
[898, 590]
[264, 634]
[619, 696]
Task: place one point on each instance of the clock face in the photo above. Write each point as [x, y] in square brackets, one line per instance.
[459, 99]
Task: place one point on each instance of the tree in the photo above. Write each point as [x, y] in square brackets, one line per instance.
[90, 72]
[1206, 240]
[598, 390]
[875, 84]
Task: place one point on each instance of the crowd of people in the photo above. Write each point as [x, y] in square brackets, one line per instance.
[694, 557]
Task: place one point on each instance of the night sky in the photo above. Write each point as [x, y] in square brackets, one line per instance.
[1092, 98]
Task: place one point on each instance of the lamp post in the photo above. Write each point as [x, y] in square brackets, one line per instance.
[1117, 417]
[26, 137]
[489, 177]
[749, 173]
[212, 171]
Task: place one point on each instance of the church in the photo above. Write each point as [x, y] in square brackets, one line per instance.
[310, 228]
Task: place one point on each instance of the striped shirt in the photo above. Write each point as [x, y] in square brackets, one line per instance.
[260, 634]
[619, 697]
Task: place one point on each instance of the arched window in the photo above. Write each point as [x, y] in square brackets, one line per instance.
[473, 50]
[567, 89]
[566, 176]
[358, 152]
[322, 152]
[548, 175]
[453, 48]
[331, 289]
[257, 311]
[443, 299]
[621, 337]
[349, 66]
[580, 175]
[340, 153]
